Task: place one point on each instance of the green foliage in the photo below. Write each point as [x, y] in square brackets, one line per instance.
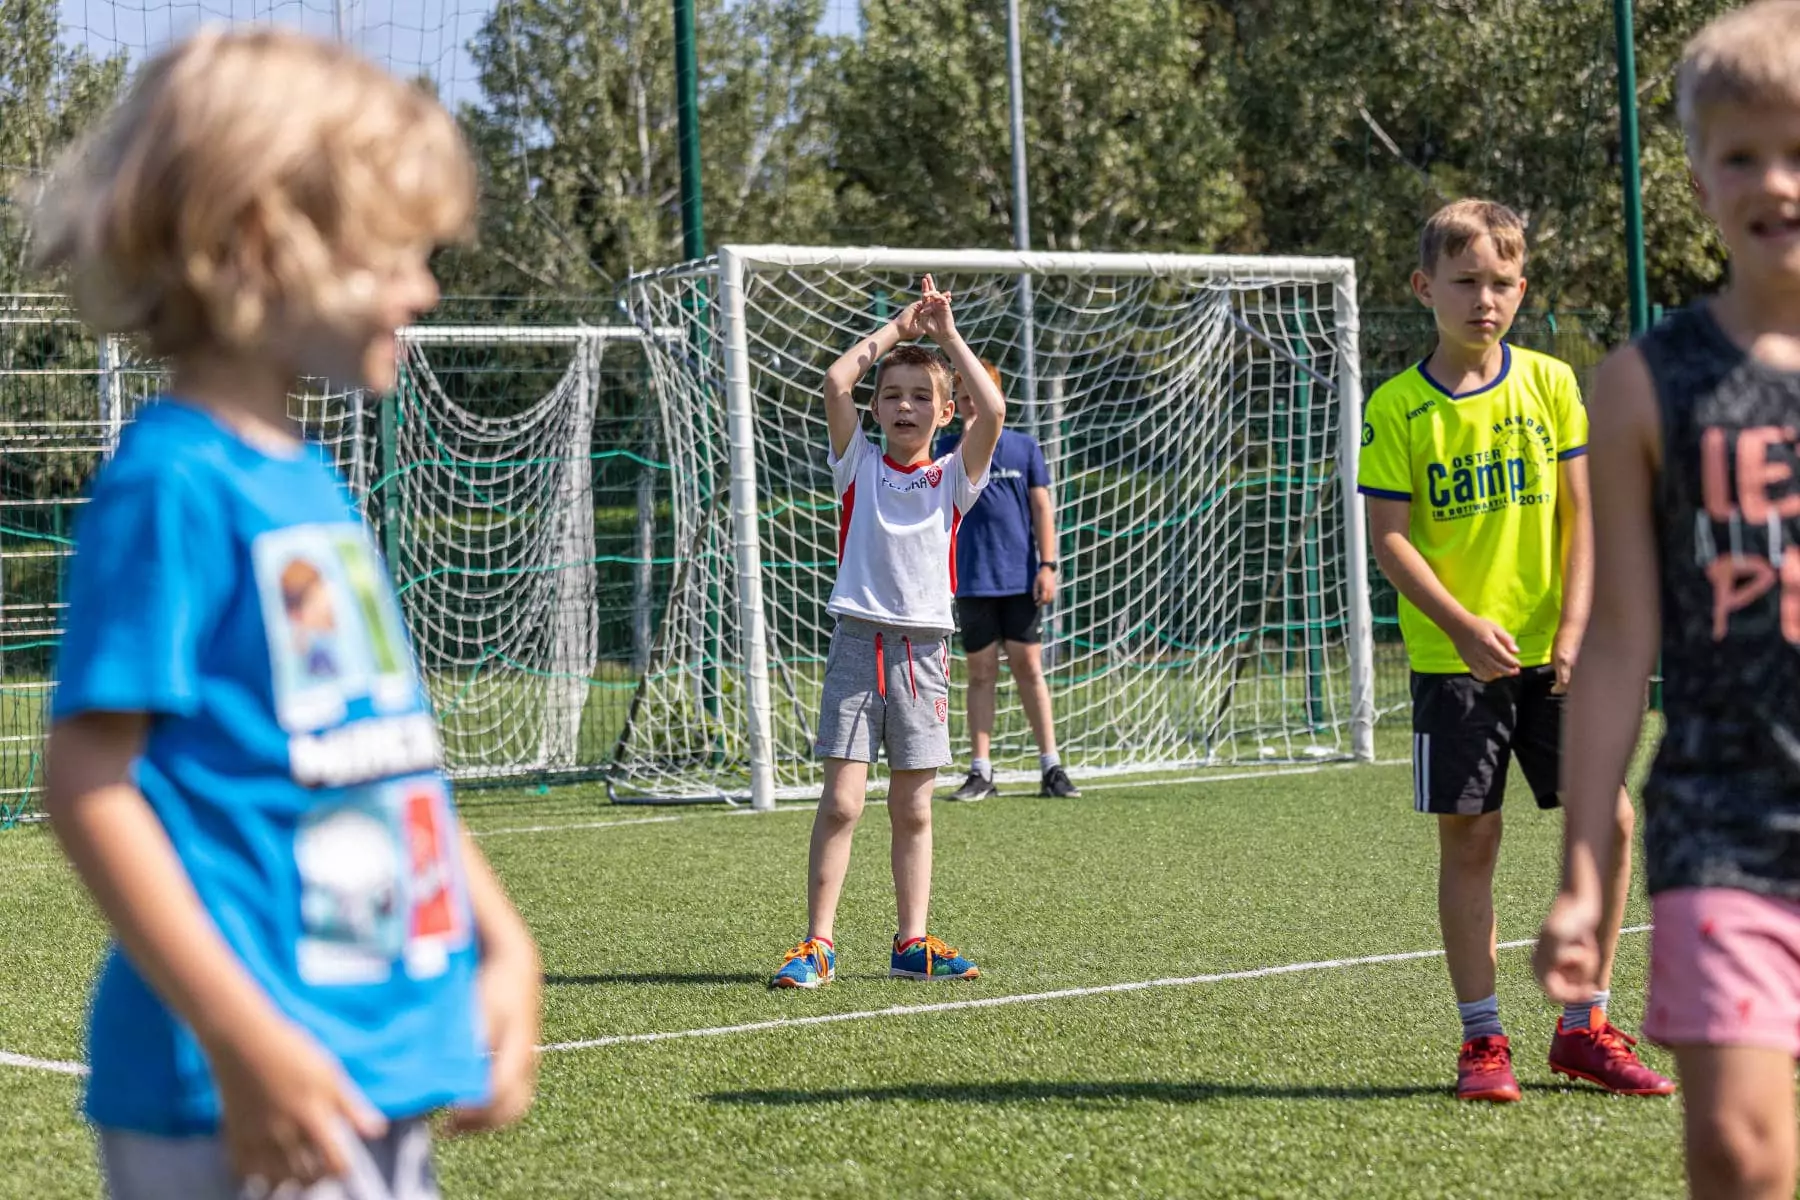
[1128, 121]
[577, 137]
[1356, 128]
[1277, 126]
[1298, 126]
[48, 94]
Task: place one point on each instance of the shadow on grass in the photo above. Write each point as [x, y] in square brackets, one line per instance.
[688, 977]
[1101, 1091]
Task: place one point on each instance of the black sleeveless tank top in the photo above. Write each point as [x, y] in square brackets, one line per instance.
[1722, 807]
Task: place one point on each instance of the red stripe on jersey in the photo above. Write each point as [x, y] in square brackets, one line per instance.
[955, 520]
[847, 507]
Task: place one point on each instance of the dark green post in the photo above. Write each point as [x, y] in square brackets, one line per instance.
[1312, 581]
[693, 246]
[1656, 697]
[1633, 178]
[687, 115]
[390, 480]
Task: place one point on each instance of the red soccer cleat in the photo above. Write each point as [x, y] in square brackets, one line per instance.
[1603, 1054]
[1484, 1071]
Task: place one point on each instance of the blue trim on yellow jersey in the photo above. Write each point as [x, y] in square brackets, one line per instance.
[1571, 452]
[1383, 493]
[1505, 369]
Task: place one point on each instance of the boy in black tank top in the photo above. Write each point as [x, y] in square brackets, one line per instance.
[1695, 448]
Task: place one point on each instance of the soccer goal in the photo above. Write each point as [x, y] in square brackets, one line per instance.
[505, 479]
[1200, 416]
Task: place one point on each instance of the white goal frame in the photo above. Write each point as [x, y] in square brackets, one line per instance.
[734, 265]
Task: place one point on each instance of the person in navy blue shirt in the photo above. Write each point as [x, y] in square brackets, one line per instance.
[310, 956]
[1006, 572]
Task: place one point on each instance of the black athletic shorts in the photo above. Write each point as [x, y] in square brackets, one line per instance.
[985, 620]
[1466, 732]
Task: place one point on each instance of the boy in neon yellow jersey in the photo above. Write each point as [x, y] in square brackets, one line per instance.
[1473, 465]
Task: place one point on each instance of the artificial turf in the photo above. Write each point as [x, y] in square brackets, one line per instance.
[1326, 1082]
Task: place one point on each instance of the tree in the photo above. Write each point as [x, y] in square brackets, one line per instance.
[577, 137]
[1359, 120]
[1130, 136]
[48, 94]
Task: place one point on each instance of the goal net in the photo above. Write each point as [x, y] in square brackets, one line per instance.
[504, 478]
[1200, 418]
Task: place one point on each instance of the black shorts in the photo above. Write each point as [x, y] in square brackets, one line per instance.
[1465, 733]
[985, 620]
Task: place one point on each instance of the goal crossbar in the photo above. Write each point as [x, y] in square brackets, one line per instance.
[1224, 267]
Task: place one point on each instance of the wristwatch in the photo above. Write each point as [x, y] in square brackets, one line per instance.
[1048, 562]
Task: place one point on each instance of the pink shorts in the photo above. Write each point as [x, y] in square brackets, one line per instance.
[1724, 970]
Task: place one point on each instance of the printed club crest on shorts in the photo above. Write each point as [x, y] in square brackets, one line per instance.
[942, 707]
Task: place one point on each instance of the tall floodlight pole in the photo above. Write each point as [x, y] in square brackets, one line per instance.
[1021, 213]
[1633, 178]
[687, 114]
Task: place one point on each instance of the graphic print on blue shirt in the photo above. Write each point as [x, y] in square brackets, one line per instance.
[292, 758]
[378, 886]
[995, 553]
[340, 632]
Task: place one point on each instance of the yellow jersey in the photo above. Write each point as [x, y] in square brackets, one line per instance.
[1481, 472]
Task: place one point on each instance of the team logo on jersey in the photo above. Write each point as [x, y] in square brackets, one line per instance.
[934, 475]
[1368, 433]
[1517, 443]
[942, 707]
[1511, 471]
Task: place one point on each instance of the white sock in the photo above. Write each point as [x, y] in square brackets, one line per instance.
[1480, 1018]
[983, 768]
[1046, 761]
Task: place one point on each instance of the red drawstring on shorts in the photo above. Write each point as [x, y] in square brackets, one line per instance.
[912, 679]
[880, 670]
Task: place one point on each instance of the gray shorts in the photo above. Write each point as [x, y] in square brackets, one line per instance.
[886, 687]
[138, 1166]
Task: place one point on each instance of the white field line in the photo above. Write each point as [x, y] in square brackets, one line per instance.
[591, 824]
[1104, 786]
[911, 1010]
[9, 1059]
[1090, 787]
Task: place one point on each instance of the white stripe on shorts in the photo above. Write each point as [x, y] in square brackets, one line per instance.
[1421, 772]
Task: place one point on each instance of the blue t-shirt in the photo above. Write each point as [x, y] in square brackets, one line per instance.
[293, 759]
[995, 555]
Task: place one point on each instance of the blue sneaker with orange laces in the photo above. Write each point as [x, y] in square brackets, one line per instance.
[928, 958]
[811, 964]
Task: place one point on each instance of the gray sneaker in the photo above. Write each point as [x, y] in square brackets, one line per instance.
[976, 787]
[1058, 783]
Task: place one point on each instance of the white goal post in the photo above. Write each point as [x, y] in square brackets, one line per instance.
[1201, 417]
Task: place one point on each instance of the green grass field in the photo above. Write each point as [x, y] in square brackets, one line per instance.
[1330, 1081]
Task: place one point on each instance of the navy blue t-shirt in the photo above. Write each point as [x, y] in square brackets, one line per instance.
[995, 555]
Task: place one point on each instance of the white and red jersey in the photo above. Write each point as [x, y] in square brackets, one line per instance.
[897, 536]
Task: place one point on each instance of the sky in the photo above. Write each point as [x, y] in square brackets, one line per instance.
[410, 36]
